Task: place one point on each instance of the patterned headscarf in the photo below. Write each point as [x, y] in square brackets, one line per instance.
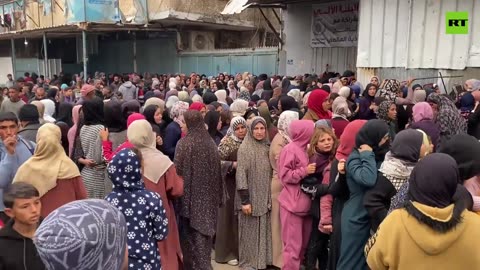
[86, 234]
[383, 110]
[284, 121]
[450, 120]
[177, 111]
[389, 89]
[237, 120]
[244, 94]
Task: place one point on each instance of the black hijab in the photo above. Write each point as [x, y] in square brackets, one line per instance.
[285, 84]
[251, 111]
[371, 134]
[211, 119]
[365, 92]
[130, 107]
[209, 97]
[288, 103]
[433, 181]
[93, 111]
[407, 145]
[114, 120]
[267, 84]
[65, 113]
[465, 149]
[149, 113]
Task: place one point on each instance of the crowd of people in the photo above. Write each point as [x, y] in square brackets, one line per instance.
[307, 172]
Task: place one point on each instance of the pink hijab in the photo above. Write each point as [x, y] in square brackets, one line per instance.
[422, 111]
[73, 130]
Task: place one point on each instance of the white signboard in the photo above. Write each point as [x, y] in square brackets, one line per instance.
[335, 24]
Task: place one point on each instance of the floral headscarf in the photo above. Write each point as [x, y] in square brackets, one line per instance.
[383, 108]
[296, 94]
[450, 120]
[177, 111]
[284, 121]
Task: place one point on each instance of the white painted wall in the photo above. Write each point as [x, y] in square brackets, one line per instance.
[300, 56]
[5, 68]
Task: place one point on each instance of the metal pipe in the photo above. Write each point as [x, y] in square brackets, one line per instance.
[84, 54]
[134, 52]
[14, 59]
[45, 56]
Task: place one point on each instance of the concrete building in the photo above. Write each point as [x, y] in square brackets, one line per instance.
[50, 36]
[388, 38]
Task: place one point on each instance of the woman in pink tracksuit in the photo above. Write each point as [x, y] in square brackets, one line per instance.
[293, 166]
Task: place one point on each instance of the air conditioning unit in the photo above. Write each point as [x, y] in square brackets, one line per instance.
[201, 41]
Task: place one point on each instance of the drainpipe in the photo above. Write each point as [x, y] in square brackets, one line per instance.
[45, 56]
[85, 59]
[14, 59]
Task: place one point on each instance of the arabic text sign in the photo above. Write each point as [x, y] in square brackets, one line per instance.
[335, 24]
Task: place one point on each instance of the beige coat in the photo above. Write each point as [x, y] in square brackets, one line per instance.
[276, 147]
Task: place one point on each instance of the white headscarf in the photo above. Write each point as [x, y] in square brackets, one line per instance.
[284, 121]
[49, 110]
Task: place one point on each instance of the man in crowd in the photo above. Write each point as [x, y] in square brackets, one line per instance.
[116, 83]
[14, 103]
[10, 81]
[29, 122]
[23, 206]
[14, 151]
[40, 94]
[128, 90]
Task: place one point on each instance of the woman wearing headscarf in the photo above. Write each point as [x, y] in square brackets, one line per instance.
[432, 229]
[285, 85]
[103, 247]
[349, 95]
[116, 125]
[203, 191]
[361, 167]
[296, 94]
[318, 106]
[160, 176]
[146, 226]
[41, 110]
[423, 120]
[233, 91]
[93, 172]
[253, 198]
[387, 111]
[226, 239]
[209, 97]
[153, 114]
[281, 139]
[245, 94]
[341, 114]
[129, 107]
[464, 149]
[49, 110]
[65, 113]
[239, 107]
[446, 115]
[375, 80]
[222, 99]
[214, 124]
[271, 129]
[173, 132]
[288, 103]
[407, 149]
[332, 206]
[367, 104]
[51, 172]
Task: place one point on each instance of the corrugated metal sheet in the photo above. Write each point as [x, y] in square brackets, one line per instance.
[337, 59]
[411, 34]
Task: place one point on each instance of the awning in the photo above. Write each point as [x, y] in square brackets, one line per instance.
[237, 6]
